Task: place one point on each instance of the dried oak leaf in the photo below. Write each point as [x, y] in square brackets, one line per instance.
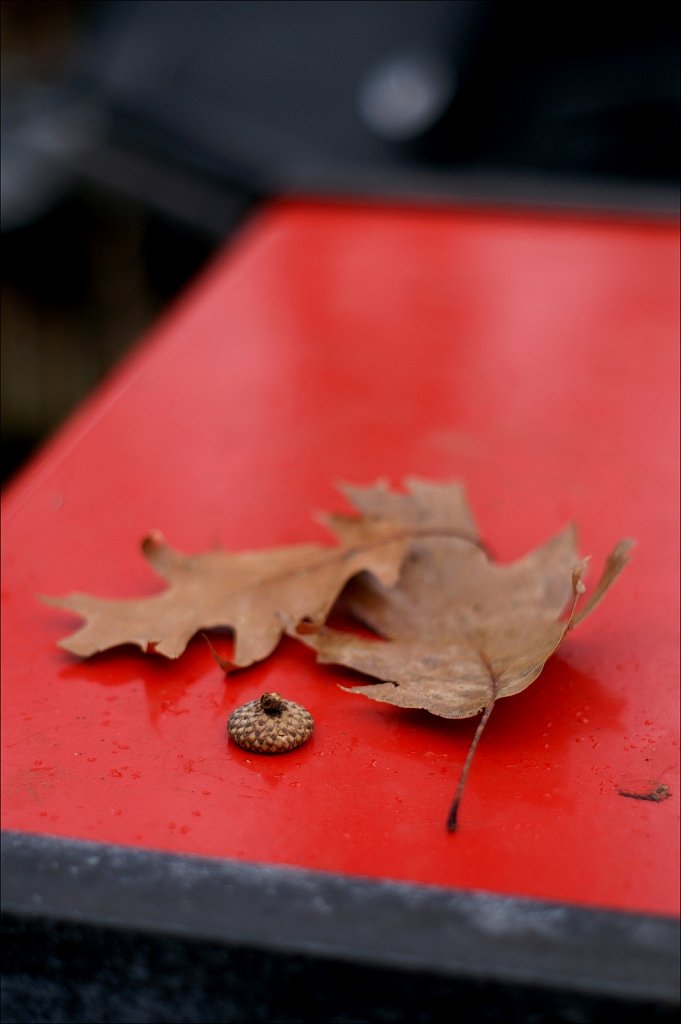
[462, 630]
[259, 594]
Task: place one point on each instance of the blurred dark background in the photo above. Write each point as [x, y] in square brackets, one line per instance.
[137, 136]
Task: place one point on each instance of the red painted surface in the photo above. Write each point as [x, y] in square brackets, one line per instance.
[533, 357]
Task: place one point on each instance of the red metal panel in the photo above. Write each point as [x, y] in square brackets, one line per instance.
[533, 357]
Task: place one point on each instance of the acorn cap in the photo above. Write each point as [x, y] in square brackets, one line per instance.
[270, 725]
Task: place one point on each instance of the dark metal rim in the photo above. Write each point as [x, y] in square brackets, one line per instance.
[388, 924]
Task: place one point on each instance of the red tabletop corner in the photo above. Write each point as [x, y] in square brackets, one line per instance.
[535, 358]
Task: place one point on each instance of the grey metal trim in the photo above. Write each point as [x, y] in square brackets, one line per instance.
[380, 923]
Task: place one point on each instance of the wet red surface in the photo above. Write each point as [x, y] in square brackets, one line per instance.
[534, 358]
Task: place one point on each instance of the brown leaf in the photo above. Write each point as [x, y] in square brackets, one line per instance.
[257, 593]
[426, 506]
[462, 630]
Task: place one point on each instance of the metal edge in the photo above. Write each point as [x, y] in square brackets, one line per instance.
[382, 923]
[513, 189]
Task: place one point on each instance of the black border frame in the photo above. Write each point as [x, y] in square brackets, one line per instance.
[378, 924]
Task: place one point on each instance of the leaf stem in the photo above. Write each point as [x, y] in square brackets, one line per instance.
[454, 809]
[225, 664]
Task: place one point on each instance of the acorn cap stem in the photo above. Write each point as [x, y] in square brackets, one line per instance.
[272, 703]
